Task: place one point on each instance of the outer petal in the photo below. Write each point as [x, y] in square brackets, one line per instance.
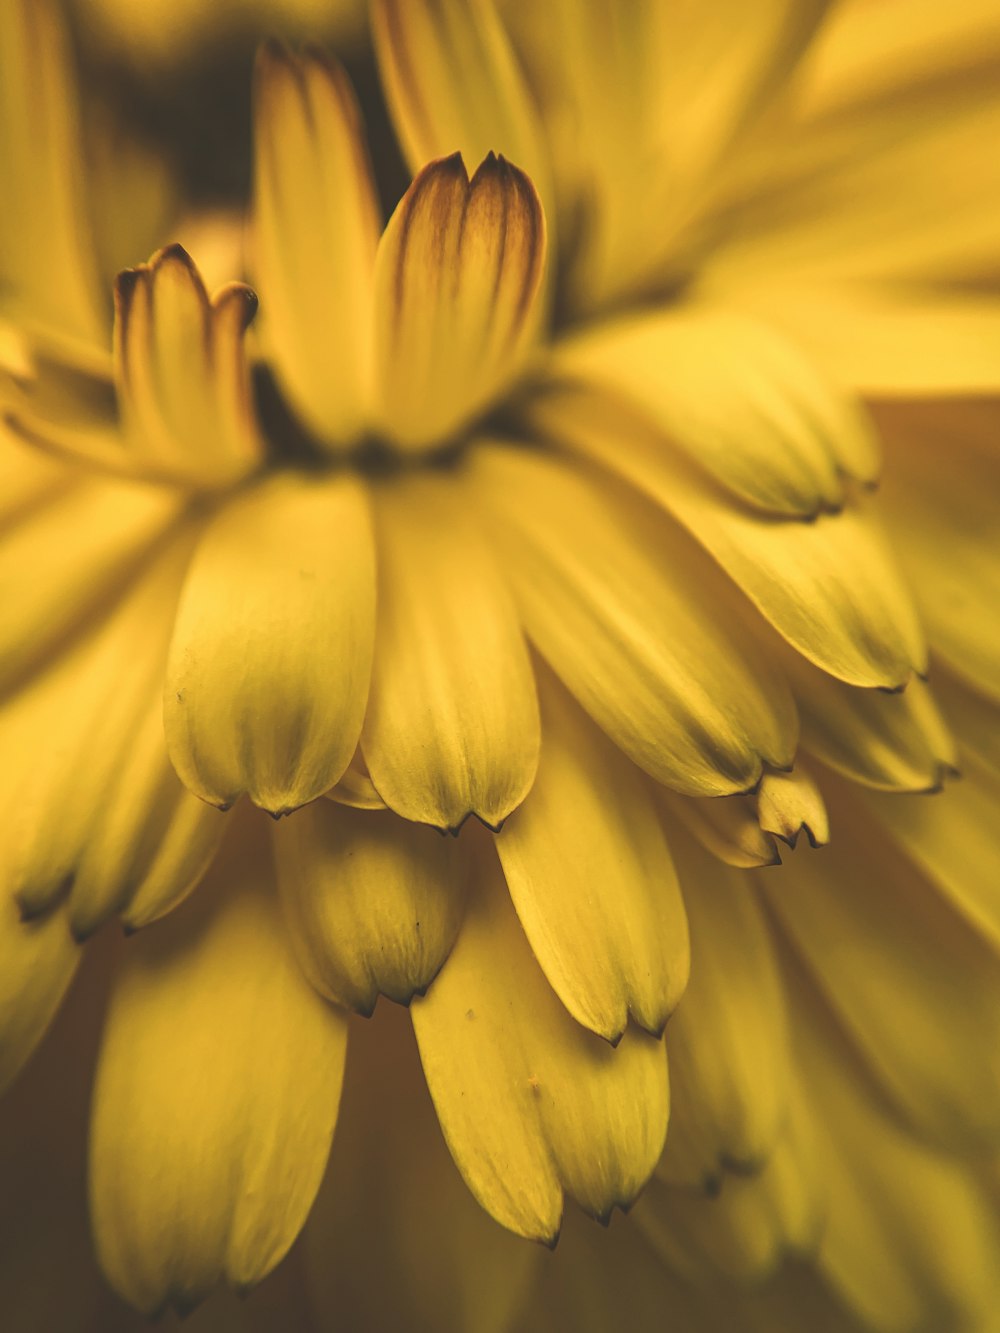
[646, 651]
[37, 962]
[395, 1240]
[531, 1104]
[452, 722]
[789, 804]
[454, 84]
[270, 661]
[726, 826]
[316, 229]
[590, 874]
[373, 903]
[914, 984]
[216, 1095]
[457, 279]
[728, 1041]
[109, 527]
[742, 402]
[830, 587]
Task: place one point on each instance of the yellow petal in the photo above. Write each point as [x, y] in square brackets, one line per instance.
[74, 736]
[216, 1095]
[910, 1241]
[789, 804]
[647, 652]
[951, 837]
[455, 85]
[942, 480]
[373, 903]
[37, 962]
[893, 742]
[181, 371]
[271, 655]
[756, 1222]
[27, 477]
[355, 787]
[395, 1240]
[727, 1042]
[726, 826]
[912, 983]
[47, 272]
[974, 716]
[831, 587]
[452, 723]
[316, 227]
[107, 528]
[531, 1104]
[457, 278]
[737, 398]
[590, 875]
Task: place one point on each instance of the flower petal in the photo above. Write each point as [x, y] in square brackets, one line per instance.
[271, 655]
[974, 716]
[181, 371]
[830, 587]
[110, 527]
[590, 875]
[909, 979]
[789, 804]
[457, 278]
[454, 84]
[316, 227]
[737, 398]
[727, 1043]
[531, 1104]
[215, 1098]
[910, 1239]
[452, 723]
[726, 826]
[645, 651]
[373, 903]
[37, 962]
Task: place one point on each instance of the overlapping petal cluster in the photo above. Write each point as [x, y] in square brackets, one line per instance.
[632, 491]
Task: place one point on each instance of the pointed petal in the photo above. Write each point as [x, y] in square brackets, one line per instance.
[590, 875]
[646, 652]
[892, 742]
[373, 903]
[395, 1240]
[108, 528]
[831, 587]
[789, 804]
[457, 278]
[911, 981]
[316, 228]
[271, 655]
[181, 371]
[216, 1095]
[454, 84]
[727, 1043]
[532, 1105]
[452, 722]
[737, 398]
[975, 717]
[37, 962]
[726, 826]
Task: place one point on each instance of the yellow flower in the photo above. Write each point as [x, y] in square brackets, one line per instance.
[552, 502]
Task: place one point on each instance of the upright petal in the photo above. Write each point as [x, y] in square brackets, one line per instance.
[315, 233]
[271, 656]
[452, 722]
[590, 875]
[531, 1104]
[646, 650]
[215, 1097]
[373, 903]
[457, 277]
